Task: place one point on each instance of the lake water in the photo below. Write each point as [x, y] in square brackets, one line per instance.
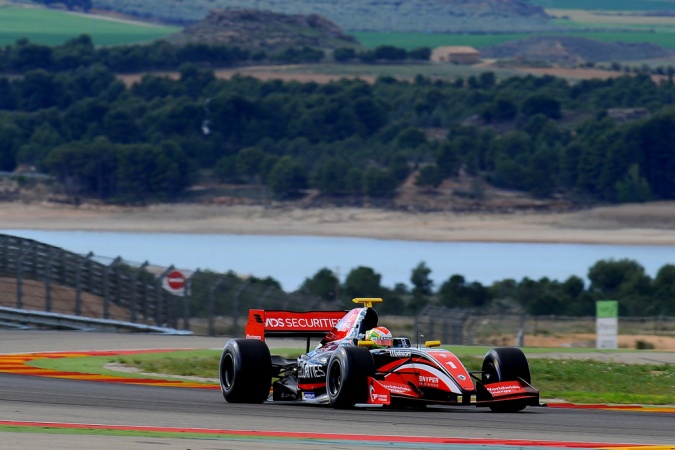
[291, 259]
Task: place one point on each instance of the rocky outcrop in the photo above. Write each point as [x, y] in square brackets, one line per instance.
[264, 30]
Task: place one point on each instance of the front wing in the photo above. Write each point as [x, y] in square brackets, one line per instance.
[382, 392]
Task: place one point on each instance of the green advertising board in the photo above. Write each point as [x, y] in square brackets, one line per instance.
[607, 309]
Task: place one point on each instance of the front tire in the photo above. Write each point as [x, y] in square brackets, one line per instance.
[245, 371]
[506, 364]
[347, 376]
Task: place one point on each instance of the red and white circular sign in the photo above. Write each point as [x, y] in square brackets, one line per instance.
[175, 281]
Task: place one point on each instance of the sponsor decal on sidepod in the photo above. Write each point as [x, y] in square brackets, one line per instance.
[400, 353]
[428, 381]
[312, 371]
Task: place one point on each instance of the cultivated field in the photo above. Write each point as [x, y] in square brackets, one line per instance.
[49, 27]
[608, 5]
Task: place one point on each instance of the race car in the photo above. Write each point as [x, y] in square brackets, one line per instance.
[357, 363]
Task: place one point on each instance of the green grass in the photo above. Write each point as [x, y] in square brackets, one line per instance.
[409, 41]
[580, 381]
[191, 363]
[203, 363]
[664, 36]
[608, 5]
[50, 27]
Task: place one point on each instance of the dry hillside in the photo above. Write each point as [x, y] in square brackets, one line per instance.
[264, 30]
[573, 50]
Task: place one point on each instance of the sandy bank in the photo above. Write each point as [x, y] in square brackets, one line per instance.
[645, 224]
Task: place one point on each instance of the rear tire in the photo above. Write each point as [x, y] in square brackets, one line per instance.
[347, 376]
[245, 371]
[506, 364]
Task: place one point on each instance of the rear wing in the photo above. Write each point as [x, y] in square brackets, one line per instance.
[265, 323]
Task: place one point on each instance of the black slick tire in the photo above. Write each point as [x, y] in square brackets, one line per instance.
[245, 371]
[347, 376]
[506, 364]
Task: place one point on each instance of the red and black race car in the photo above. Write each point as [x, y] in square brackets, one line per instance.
[345, 369]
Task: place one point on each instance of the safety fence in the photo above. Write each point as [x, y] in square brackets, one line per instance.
[471, 327]
[37, 276]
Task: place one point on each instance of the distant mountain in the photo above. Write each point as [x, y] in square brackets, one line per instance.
[264, 30]
[434, 16]
[572, 50]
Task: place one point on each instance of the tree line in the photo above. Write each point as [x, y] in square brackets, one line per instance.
[623, 280]
[154, 138]
[162, 55]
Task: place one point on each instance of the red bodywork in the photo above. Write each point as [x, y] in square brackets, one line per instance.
[438, 371]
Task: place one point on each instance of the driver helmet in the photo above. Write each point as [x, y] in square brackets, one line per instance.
[381, 337]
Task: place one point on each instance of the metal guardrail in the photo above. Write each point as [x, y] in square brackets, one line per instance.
[22, 318]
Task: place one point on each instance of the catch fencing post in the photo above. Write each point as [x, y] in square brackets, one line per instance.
[235, 312]
[187, 299]
[25, 250]
[78, 283]
[212, 304]
[459, 321]
[48, 279]
[520, 337]
[263, 297]
[134, 292]
[417, 320]
[106, 287]
[469, 330]
[160, 294]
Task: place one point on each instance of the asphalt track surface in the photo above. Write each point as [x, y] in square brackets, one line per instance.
[35, 399]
